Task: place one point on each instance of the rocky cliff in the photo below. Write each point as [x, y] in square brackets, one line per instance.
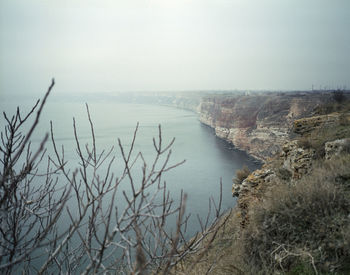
[292, 214]
[279, 206]
[260, 123]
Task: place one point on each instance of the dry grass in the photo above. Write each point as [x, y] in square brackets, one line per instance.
[331, 107]
[241, 175]
[294, 229]
[306, 223]
[222, 257]
[317, 138]
[301, 228]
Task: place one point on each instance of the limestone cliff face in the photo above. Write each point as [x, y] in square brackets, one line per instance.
[259, 124]
[295, 160]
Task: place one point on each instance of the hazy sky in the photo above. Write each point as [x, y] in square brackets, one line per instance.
[115, 45]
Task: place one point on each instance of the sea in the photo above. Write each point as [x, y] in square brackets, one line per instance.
[209, 160]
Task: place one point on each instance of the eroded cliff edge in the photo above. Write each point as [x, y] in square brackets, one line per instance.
[260, 123]
[293, 214]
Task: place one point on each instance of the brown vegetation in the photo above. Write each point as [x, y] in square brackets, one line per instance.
[306, 223]
[287, 225]
[241, 175]
[317, 137]
[283, 225]
[340, 103]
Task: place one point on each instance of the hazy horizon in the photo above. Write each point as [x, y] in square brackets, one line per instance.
[183, 45]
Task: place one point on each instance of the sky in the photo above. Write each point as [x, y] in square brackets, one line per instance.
[169, 45]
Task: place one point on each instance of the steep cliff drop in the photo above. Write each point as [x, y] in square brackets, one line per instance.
[260, 123]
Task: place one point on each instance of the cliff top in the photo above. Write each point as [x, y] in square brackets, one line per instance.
[292, 215]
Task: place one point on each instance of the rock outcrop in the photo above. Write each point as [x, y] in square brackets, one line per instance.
[305, 125]
[259, 124]
[295, 159]
[293, 163]
[337, 147]
[259, 176]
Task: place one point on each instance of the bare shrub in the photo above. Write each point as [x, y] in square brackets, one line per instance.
[340, 103]
[284, 173]
[339, 96]
[241, 175]
[305, 142]
[28, 211]
[305, 223]
[83, 220]
[344, 119]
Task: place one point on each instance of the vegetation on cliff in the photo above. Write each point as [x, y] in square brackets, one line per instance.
[260, 123]
[303, 225]
[292, 215]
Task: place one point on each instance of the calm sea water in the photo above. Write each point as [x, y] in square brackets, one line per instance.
[207, 157]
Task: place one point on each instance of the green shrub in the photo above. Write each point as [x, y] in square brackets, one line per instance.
[297, 225]
[241, 175]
